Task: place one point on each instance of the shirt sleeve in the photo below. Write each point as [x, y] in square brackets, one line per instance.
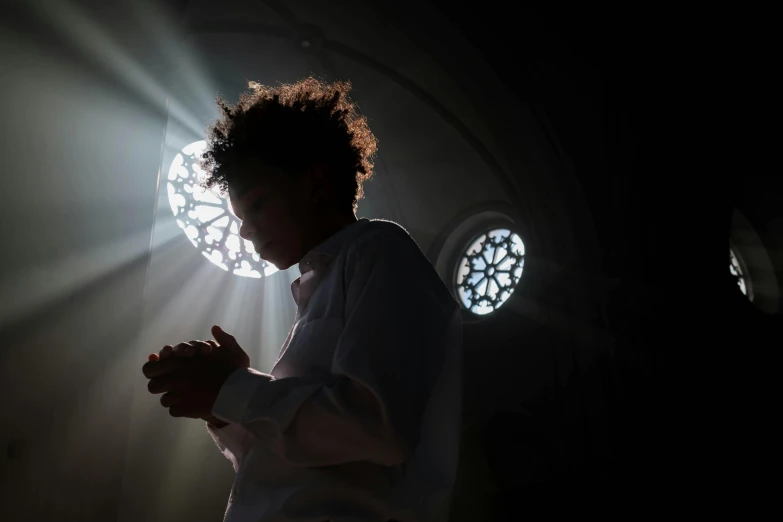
[233, 440]
[400, 323]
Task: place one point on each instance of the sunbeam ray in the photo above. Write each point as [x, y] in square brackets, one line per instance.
[72, 22]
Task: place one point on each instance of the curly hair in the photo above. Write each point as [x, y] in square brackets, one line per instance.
[288, 127]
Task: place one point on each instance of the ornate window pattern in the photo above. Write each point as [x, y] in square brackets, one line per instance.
[489, 270]
[736, 271]
[207, 219]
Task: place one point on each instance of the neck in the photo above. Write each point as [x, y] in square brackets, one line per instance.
[328, 225]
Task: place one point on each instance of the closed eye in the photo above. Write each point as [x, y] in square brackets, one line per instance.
[257, 204]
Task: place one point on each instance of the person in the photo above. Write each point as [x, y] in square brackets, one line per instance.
[359, 419]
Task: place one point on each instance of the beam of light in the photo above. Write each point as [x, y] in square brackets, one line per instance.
[171, 43]
[209, 296]
[33, 288]
[71, 21]
[179, 313]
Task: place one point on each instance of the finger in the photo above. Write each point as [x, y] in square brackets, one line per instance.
[195, 348]
[153, 357]
[167, 383]
[169, 399]
[222, 337]
[148, 367]
[227, 341]
[183, 349]
[177, 411]
[159, 385]
[206, 347]
[181, 410]
[163, 367]
[212, 346]
[166, 351]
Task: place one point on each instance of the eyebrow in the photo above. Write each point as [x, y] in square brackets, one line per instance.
[243, 195]
[240, 192]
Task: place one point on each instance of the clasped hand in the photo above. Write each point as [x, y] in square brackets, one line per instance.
[190, 375]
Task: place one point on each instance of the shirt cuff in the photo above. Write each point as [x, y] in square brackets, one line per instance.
[232, 440]
[236, 393]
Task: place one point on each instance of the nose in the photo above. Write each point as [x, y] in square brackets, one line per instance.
[245, 231]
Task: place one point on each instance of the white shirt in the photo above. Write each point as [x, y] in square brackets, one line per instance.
[360, 417]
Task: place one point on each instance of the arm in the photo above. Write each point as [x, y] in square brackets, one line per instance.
[233, 441]
[399, 324]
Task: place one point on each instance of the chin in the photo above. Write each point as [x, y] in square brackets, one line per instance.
[278, 263]
[282, 265]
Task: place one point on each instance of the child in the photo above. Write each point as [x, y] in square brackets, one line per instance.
[359, 419]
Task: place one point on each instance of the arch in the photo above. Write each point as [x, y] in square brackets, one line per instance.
[759, 270]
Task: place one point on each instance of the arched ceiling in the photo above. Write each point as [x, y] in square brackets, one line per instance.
[446, 145]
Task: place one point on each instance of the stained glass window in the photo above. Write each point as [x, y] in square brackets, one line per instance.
[736, 271]
[489, 270]
[207, 219]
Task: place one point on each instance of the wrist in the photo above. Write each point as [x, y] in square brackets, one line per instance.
[214, 422]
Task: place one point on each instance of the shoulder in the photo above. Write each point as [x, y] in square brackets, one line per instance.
[381, 241]
[384, 227]
[387, 247]
[386, 251]
[383, 234]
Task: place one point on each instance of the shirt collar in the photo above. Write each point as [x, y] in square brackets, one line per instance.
[329, 248]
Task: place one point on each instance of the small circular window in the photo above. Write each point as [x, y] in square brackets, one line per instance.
[207, 219]
[736, 270]
[489, 270]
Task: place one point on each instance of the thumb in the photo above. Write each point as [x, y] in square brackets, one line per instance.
[224, 339]
[227, 341]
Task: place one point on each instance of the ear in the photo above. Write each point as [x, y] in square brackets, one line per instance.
[320, 184]
[317, 170]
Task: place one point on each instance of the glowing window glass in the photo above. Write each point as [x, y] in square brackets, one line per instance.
[207, 219]
[489, 270]
[736, 271]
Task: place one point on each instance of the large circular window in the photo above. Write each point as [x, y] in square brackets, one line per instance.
[489, 269]
[207, 219]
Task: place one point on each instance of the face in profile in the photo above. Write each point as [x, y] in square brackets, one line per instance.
[276, 210]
